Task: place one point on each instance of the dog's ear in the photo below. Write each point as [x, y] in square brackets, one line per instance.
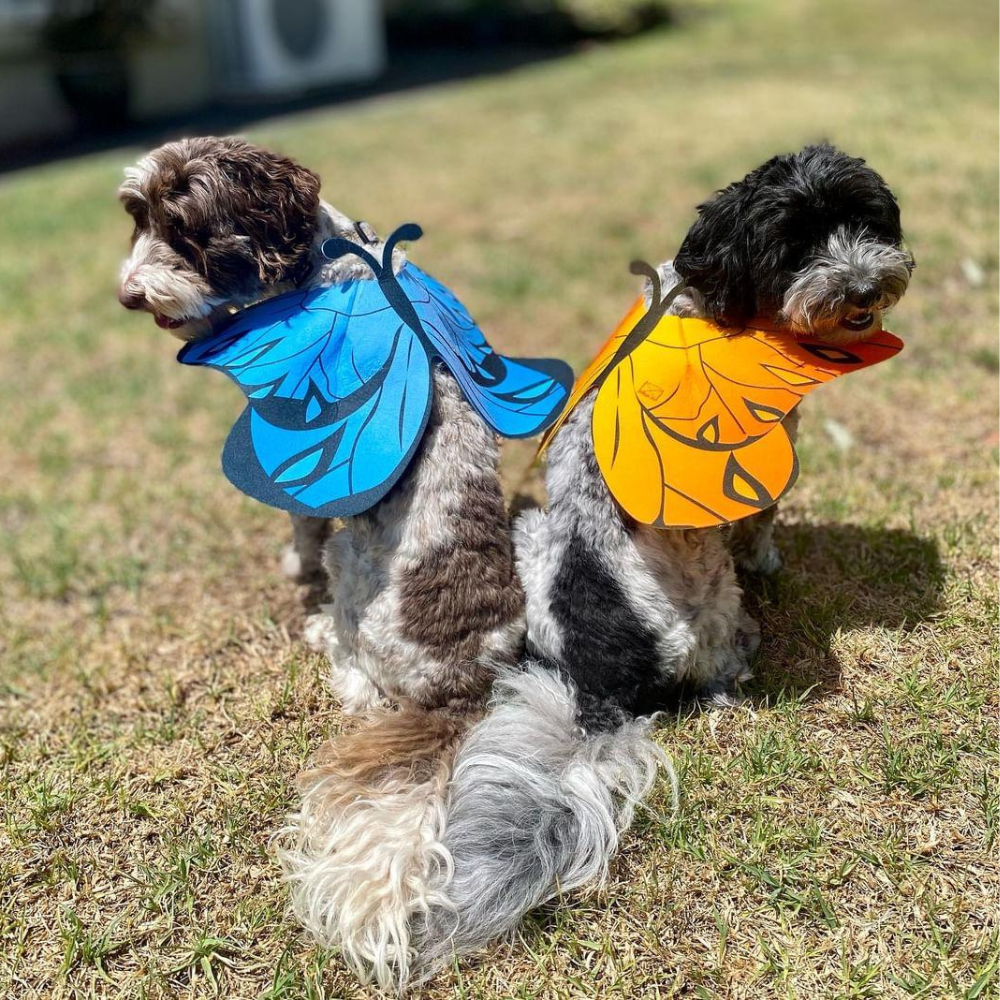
[277, 202]
[715, 256]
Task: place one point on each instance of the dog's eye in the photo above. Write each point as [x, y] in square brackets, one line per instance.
[189, 250]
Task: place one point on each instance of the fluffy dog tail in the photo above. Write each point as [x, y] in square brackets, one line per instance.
[364, 853]
[536, 806]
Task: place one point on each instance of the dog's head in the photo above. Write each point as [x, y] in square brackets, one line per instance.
[809, 240]
[218, 222]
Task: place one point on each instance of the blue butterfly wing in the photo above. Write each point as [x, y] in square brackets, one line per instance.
[518, 397]
[338, 391]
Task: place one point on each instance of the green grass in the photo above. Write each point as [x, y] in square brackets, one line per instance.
[836, 835]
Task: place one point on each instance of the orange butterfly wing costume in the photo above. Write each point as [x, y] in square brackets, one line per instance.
[687, 422]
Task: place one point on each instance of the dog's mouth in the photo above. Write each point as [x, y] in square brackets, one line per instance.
[859, 322]
[167, 323]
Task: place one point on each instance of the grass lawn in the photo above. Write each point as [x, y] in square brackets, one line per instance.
[836, 836]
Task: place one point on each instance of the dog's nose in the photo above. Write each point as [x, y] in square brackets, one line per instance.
[131, 300]
[863, 295]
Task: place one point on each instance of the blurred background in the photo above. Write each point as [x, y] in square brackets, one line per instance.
[87, 70]
[836, 835]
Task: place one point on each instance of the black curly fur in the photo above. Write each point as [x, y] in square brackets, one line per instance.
[600, 627]
[753, 236]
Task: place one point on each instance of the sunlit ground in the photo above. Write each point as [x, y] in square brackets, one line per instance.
[836, 836]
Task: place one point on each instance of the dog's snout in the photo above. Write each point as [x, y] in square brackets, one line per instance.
[131, 299]
[863, 295]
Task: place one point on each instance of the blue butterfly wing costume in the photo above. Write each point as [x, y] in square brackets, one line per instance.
[517, 397]
[338, 383]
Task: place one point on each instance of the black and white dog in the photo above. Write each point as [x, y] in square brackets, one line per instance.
[624, 618]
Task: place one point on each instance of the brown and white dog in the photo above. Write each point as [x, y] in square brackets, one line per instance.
[425, 604]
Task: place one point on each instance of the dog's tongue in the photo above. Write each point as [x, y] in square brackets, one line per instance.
[166, 323]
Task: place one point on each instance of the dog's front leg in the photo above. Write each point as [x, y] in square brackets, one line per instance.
[302, 561]
[334, 629]
[751, 541]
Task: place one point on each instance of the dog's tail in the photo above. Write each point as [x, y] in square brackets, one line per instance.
[536, 807]
[364, 853]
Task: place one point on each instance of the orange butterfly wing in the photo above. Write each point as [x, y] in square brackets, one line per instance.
[687, 427]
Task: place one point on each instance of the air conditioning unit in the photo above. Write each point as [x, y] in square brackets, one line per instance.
[285, 47]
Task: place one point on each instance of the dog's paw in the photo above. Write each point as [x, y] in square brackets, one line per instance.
[767, 563]
[355, 690]
[770, 562]
[291, 564]
[730, 698]
[320, 634]
[299, 569]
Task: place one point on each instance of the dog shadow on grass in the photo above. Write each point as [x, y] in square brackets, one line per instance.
[836, 578]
